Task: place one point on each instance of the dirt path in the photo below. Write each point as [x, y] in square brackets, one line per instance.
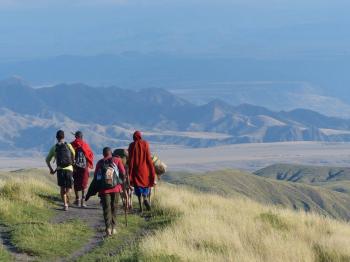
[9, 247]
[92, 216]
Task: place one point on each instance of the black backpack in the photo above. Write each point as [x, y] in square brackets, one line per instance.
[64, 157]
[108, 176]
[80, 158]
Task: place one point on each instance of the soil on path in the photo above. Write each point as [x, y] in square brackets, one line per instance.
[92, 216]
[5, 241]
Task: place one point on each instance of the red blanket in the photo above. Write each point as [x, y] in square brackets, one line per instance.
[79, 143]
[141, 167]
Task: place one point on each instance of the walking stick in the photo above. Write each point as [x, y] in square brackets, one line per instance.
[126, 204]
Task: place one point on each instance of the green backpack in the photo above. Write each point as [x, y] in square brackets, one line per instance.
[108, 176]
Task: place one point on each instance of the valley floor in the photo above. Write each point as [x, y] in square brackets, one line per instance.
[252, 157]
[249, 157]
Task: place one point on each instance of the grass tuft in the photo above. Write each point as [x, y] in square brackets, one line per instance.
[47, 240]
[5, 256]
[324, 254]
[274, 221]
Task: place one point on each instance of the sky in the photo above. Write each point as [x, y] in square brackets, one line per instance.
[247, 28]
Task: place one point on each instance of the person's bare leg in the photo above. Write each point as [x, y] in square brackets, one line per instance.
[130, 199]
[64, 197]
[76, 196]
[83, 204]
[149, 196]
[67, 195]
[146, 203]
[140, 204]
[62, 192]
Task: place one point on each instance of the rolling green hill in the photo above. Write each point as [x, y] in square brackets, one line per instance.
[331, 178]
[268, 191]
[305, 174]
[209, 227]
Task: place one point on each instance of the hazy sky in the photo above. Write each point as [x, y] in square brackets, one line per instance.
[255, 28]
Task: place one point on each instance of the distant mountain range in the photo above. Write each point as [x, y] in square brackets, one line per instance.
[310, 82]
[29, 117]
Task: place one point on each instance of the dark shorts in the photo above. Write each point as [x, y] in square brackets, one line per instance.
[142, 191]
[65, 178]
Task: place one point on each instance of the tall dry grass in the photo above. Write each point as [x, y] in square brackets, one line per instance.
[213, 228]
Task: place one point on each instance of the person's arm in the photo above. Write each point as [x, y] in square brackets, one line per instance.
[49, 158]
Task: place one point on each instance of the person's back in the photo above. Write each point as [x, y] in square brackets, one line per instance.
[109, 196]
[141, 169]
[83, 161]
[64, 154]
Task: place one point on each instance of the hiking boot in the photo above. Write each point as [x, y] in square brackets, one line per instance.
[147, 205]
[65, 208]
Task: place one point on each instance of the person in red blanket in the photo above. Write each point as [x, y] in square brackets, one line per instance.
[141, 169]
[84, 160]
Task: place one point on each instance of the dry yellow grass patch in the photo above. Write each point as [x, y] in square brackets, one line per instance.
[213, 228]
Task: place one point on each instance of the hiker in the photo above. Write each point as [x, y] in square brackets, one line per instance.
[108, 179]
[84, 159]
[141, 169]
[64, 154]
[126, 195]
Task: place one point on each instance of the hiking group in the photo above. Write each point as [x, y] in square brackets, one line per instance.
[119, 173]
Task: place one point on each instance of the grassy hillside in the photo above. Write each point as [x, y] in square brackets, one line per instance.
[185, 225]
[305, 174]
[267, 191]
[213, 228]
[33, 226]
[26, 210]
[331, 178]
